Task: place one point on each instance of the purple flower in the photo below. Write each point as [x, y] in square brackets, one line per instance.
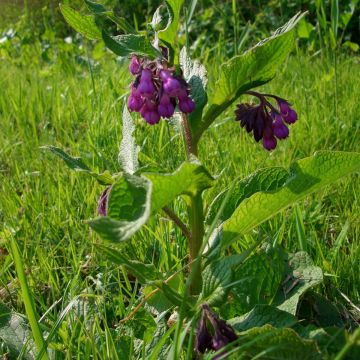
[288, 114]
[103, 202]
[186, 105]
[149, 112]
[146, 87]
[134, 66]
[157, 89]
[265, 121]
[223, 334]
[135, 101]
[281, 131]
[166, 107]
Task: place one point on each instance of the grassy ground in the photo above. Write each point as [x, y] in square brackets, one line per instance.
[43, 205]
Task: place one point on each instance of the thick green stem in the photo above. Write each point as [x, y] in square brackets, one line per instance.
[196, 216]
[196, 213]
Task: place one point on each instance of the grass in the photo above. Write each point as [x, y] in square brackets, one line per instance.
[43, 205]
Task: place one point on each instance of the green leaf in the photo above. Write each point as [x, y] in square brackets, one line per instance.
[15, 334]
[263, 315]
[218, 277]
[84, 24]
[300, 275]
[306, 176]
[129, 150]
[125, 45]
[168, 35]
[100, 11]
[196, 76]
[75, 163]
[277, 344]
[189, 179]
[143, 272]
[128, 209]
[255, 67]
[257, 280]
[268, 179]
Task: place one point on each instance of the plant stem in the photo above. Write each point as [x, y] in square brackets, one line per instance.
[196, 213]
[191, 149]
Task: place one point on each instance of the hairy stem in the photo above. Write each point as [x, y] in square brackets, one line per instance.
[191, 148]
[196, 214]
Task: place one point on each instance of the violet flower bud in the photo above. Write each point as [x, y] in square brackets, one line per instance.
[203, 340]
[166, 107]
[269, 143]
[146, 86]
[280, 130]
[134, 66]
[186, 105]
[135, 101]
[149, 112]
[103, 202]
[290, 117]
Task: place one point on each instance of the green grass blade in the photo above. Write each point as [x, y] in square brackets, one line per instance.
[28, 298]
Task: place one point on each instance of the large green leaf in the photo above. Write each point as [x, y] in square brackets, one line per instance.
[255, 67]
[268, 179]
[196, 76]
[306, 176]
[263, 315]
[300, 275]
[100, 11]
[168, 35]
[143, 272]
[76, 163]
[125, 45]
[15, 334]
[129, 206]
[278, 344]
[84, 24]
[129, 150]
[189, 179]
[257, 280]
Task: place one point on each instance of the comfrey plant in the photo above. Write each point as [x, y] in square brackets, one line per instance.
[235, 295]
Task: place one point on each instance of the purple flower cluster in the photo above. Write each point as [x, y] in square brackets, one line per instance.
[157, 90]
[215, 340]
[265, 121]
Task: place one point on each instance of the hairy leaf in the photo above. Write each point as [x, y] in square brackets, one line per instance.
[196, 76]
[300, 275]
[129, 206]
[257, 280]
[128, 153]
[15, 333]
[268, 179]
[84, 24]
[262, 315]
[189, 179]
[168, 35]
[125, 45]
[76, 163]
[278, 344]
[306, 176]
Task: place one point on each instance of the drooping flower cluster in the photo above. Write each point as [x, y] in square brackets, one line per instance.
[157, 90]
[266, 121]
[221, 334]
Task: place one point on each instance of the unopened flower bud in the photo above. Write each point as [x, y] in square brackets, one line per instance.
[146, 87]
[150, 112]
[186, 105]
[103, 202]
[166, 108]
[134, 66]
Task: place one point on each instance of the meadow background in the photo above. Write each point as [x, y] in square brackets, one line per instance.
[60, 89]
